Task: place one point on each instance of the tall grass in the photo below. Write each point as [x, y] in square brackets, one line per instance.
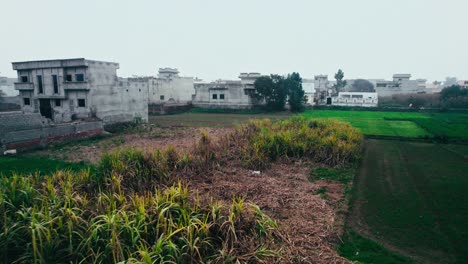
[57, 220]
[329, 142]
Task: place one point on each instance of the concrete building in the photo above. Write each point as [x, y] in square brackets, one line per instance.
[69, 89]
[308, 85]
[7, 86]
[169, 87]
[356, 99]
[400, 84]
[236, 94]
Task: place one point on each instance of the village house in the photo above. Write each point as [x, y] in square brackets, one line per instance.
[235, 94]
[356, 99]
[69, 89]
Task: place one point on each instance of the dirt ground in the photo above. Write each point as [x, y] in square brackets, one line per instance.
[312, 221]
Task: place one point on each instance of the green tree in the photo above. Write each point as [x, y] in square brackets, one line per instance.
[340, 83]
[293, 84]
[361, 85]
[272, 90]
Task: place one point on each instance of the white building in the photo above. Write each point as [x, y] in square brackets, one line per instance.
[236, 94]
[7, 86]
[356, 99]
[68, 89]
[169, 87]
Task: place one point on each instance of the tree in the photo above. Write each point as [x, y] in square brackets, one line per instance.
[271, 89]
[340, 83]
[2, 94]
[449, 81]
[361, 85]
[293, 84]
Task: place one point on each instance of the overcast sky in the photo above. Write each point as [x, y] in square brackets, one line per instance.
[213, 39]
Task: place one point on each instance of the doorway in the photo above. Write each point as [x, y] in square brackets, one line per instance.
[329, 100]
[45, 108]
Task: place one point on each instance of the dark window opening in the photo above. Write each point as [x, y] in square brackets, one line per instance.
[79, 77]
[221, 97]
[27, 101]
[39, 84]
[161, 97]
[215, 96]
[55, 82]
[81, 103]
[58, 102]
[69, 78]
[24, 79]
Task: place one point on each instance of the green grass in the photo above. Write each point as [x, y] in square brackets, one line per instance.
[30, 165]
[363, 250]
[345, 175]
[376, 123]
[413, 196]
[193, 119]
[448, 126]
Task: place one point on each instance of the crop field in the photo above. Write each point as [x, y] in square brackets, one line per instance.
[411, 197]
[403, 124]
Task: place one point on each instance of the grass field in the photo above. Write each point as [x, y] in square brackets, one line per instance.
[30, 165]
[404, 124]
[412, 197]
[210, 119]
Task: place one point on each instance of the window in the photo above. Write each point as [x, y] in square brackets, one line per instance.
[58, 102]
[81, 103]
[221, 97]
[356, 96]
[55, 82]
[381, 85]
[161, 97]
[69, 78]
[24, 79]
[39, 84]
[215, 96]
[27, 101]
[79, 77]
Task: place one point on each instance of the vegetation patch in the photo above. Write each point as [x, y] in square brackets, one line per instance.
[363, 250]
[133, 208]
[40, 165]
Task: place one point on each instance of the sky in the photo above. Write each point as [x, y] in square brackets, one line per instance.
[218, 39]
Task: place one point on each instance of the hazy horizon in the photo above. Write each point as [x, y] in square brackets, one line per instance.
[212, 39]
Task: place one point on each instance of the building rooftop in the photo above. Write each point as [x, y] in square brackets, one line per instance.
[57, 63]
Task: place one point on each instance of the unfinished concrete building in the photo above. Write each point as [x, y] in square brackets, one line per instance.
[169, 87]
[69, 89]
[234, 94]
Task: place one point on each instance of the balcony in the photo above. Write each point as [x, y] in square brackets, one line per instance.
[76, 86]
[24, 86]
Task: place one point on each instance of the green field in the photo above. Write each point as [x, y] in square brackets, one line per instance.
[453, 126]
[412, 197]
[30, 165]
[211, 119]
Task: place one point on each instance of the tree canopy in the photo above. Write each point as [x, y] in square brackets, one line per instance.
[340, 83]
[361, 85]
[276, 89]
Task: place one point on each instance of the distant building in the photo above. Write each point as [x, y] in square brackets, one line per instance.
[169, 87]
[7, 86]
[463, 83]
[308, 85]
[68, 89]
[401, 84]
[236, 94]
[356, 99]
